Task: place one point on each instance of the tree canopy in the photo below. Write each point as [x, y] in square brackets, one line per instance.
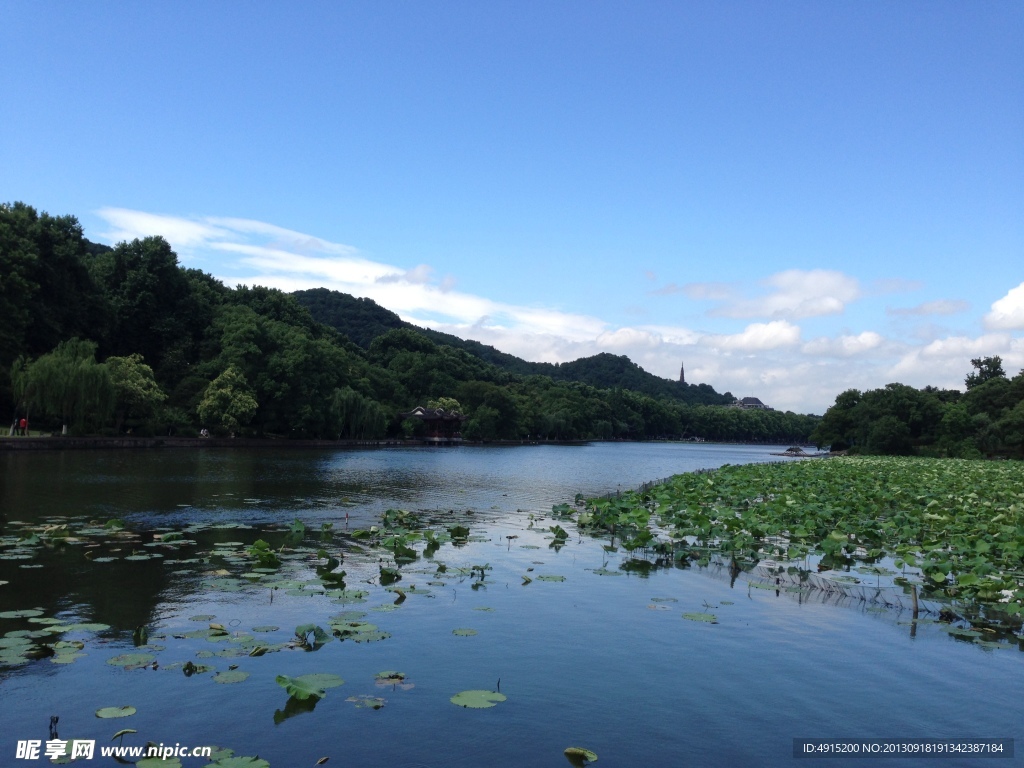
[102, 339]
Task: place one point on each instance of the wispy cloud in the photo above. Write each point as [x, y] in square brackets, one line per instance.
[790, 295]
[843, 346]
[939, 307]
[767, 358]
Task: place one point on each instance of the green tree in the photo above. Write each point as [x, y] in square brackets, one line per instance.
[147, 294]
[446, 404]
[355, 416]
[69, 384]
[46, 292]
[228, 401]
[136, 392]
[985, 369]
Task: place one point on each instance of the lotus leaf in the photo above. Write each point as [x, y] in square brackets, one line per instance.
[66, 658]
[231, 676]
[304, 687]
[477, 699]
[579, 756]
[464, 632]
[131, 660]
[110, 712]
[364, 701]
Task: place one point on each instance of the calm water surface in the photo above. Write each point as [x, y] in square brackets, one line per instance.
[592, 661]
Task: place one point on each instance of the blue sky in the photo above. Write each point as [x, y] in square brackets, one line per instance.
[794, 198]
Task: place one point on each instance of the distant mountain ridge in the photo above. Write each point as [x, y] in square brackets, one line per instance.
[362, 320]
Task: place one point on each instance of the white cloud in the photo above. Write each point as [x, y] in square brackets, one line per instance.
[759, 336]
[794, 294]
[1008, 312]
[419, 275]
[183, 234]
[764, 359]
[627, 338]
[945, 362]
[843, 346]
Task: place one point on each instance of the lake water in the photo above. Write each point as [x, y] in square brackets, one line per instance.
[601, 661]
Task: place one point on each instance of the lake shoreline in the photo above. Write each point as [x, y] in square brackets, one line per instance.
[61, 443]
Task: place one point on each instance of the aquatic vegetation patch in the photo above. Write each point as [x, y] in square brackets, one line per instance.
[955, 528]
[112, 712]
[478, 699]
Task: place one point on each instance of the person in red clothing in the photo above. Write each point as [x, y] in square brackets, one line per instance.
[23, 426]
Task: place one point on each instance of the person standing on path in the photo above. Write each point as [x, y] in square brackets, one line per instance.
[23, 424]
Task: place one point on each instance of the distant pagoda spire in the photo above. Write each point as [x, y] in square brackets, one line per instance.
[682, 372]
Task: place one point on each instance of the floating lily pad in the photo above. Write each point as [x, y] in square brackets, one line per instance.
[111, 712]
[710, 618]
[483, 608]
[364, 701]
[230, 676]
[66, 658]
[86, 627]
[265, 628]
[131, 660]
[551, 578]
[579, 756]
[347, 616]
[15, 642]
[371, 637]
[22, 614]
[606, 572]
[478, 699]
[664, 600]
[464, 632]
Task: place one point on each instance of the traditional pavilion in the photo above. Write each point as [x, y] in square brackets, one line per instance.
[441, 426]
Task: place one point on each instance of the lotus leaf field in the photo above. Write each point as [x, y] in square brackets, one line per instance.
[944, 538]
[953, 529]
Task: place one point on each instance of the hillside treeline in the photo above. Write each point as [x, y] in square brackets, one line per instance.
[986, 420]
[100, 340]
[362, 320]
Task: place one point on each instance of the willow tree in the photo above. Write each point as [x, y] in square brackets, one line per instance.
[69, 384]
[356, 416]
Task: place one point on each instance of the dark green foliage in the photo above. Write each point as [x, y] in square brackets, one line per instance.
[361, 320]
[985, 369]
[364, 321]
[46, 294]
[189, 352]
[898, 419]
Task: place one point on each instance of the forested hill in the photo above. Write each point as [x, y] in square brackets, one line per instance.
[100, 340]
[363, 320]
